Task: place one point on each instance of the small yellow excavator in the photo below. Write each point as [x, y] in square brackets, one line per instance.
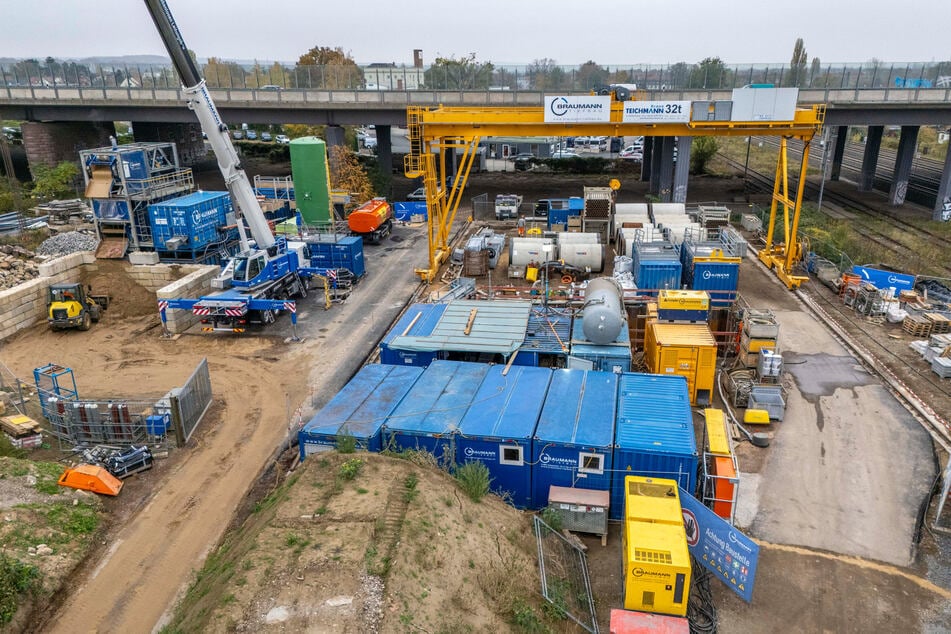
[73, 306]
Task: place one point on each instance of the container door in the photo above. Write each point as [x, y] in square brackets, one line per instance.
[682, 361]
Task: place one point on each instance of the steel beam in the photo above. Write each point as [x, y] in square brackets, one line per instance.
[841, 138]
[384, 150]
[666, 170]
[646, 161]
[907, 145]
[873, 142]
[654, 185]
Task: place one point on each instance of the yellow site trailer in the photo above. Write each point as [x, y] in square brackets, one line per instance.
[685, 349]
[656, 559]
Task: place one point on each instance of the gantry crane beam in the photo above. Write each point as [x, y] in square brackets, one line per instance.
[432, 130]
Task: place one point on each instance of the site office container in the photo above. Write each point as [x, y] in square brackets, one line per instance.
[197, 217]
[685, 349]
[573, 442]
[657, 566]
[428, 417]
[359, 409]
[334, 252]
[418, 320]
[498, 427]
[708, 268]
[654, 434]
[656, 265]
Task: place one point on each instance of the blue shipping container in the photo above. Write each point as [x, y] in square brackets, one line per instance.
[573, 441]
[613, 357]
[343, 252]
[428, 417]
[719, 278]
[497, 430]
[560, 216]
[359, 409]
[419, 320]
[654, 433]
[196, 217]
[656, 266]
[548, 335]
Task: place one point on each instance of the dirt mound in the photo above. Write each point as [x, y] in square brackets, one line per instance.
[318, 549]
[129, 298]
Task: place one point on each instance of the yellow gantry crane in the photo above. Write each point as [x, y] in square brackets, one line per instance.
[446, 129]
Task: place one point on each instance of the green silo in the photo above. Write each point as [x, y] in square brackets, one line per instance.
[311, 180]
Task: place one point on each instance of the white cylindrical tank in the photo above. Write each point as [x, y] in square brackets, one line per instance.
[524, 251]
[574, 238]
[604, 314]
[583, 255]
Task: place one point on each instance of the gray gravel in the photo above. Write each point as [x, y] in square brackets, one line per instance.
[70, 242]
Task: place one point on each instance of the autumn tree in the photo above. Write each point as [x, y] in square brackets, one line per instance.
[711, 72]
[797, 65]
[329, 68]
[702, 150]
[547, 75]
[347, 175]
[592, 75]
[54, 182]
[465, 73]
[221, 74]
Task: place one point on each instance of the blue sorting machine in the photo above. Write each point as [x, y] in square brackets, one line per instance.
[359, 409]
[654, 435]
[497, 429]
[428, 417]
[574, 439]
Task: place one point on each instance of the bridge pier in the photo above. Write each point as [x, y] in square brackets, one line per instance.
[646, 162]
[873, 142]
[665, 182]
[186, 136]
[681, 169]
[907, 144]
[335, 135]
[841, 138]
[654, 180]
[942, 207]
[53, 142]
[384, 151]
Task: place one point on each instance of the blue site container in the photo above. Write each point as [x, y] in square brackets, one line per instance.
[719, 277]
[197, 217]
[576, 203]
[338, 252]
[654, 434]
[573, 441]
[404, 211]
[497, 430]
[560, 216]
[423, 319]
[428, 417]
[656, 266]
[547, 339]
[358, 409]
[612, 357]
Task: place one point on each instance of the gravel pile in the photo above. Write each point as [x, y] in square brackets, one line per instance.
[70, 242]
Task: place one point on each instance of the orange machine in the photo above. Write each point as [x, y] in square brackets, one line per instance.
[91, 478]
[373, 220]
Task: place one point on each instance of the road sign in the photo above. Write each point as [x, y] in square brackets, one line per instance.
[729, 554]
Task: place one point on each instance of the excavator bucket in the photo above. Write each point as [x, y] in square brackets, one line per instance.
[91, 478]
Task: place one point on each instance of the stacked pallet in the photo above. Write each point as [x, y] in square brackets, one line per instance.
[939, 323]
[23, 431]
[916, 326]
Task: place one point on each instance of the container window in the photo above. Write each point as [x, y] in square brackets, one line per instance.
[591, 463]
[511, 455]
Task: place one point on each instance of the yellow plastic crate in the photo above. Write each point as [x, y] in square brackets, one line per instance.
[756, 417]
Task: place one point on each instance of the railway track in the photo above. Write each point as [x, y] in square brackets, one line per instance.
[862, 217]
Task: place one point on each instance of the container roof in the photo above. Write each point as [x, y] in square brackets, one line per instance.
[497, 327]
[423, 318]
[579, 409]
[653, 414]
[189, 200]
[365, 402]
[547, 332]
[683, 334]
[507, 406]
[439, 399]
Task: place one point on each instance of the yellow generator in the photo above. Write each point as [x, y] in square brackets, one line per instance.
[683, 305]
[656, 559]
[685, 349]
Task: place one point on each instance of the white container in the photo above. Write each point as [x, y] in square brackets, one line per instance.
[569, 238]
[524, 251]
[588, 256]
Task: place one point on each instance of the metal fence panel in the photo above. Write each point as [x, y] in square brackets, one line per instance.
[564, 576]
[483, 208]
[190, 402]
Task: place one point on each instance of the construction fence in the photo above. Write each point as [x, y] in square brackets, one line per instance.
[564, 577]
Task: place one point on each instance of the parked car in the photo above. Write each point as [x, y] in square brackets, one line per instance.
[369, 142]
[632, 153]
[265, 136]
[271, 87]
[418, 195]
[252, 135]
[520, 155]
[238, 135]
[282, 139]
[564, 154]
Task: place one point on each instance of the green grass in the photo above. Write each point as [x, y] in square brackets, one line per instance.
[16, 579]
[350, 469]
[474, 480]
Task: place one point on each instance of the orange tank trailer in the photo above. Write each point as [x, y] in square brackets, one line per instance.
[373, 219]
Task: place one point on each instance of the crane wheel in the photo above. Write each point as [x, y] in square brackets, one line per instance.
[86, 322]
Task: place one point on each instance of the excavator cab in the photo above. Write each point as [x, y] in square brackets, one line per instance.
[71, 305]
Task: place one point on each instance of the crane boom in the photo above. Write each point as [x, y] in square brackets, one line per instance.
[199, 101]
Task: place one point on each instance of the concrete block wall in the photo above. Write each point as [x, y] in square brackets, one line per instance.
[156, 276]
[195, 284]
[25, 304]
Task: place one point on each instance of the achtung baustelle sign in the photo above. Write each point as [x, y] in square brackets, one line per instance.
[729, 554]
[656, 112]
[588, 109]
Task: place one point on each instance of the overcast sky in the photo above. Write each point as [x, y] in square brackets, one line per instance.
[500, 31]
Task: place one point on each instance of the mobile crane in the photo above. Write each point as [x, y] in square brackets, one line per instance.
[261, 279]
